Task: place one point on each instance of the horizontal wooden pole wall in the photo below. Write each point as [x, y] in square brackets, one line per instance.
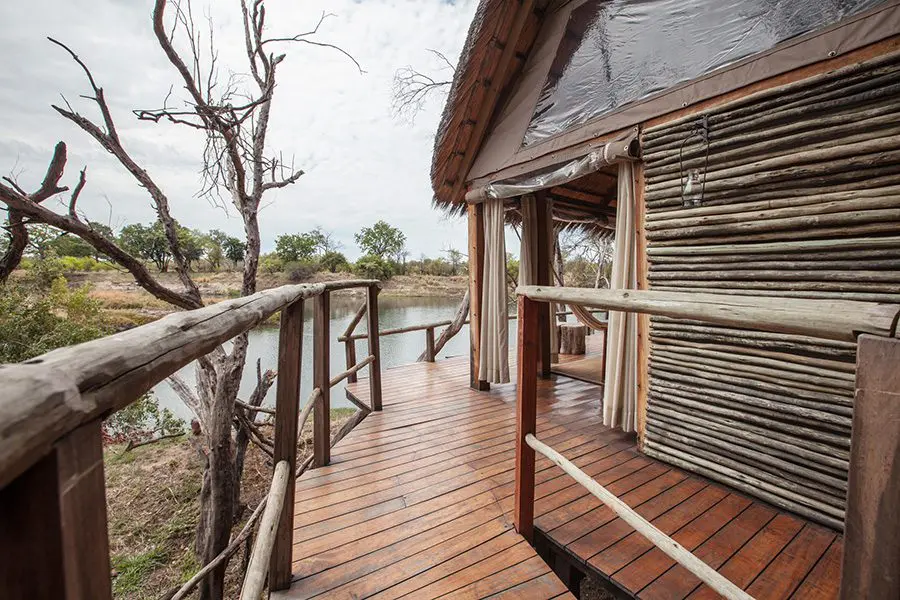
[794, 197]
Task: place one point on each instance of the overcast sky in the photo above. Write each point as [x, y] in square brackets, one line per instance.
[362, 164]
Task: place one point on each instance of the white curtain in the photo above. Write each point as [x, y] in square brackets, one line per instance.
[620, 388]
[528, 250]
[528, 253]
[493, 363]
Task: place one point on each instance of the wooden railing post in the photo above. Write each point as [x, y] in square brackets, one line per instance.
[322, 380]
[287, 406]
[350, 354]
[429, 344]
[53, 529]
[374, 347]
[526, 413]
[872, 527]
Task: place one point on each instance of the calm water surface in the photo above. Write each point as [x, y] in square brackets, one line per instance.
[396, 350]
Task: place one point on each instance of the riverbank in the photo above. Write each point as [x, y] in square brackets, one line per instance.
[153, 503]
[126, 304]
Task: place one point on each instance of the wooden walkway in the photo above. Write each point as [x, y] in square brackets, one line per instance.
[417, 503]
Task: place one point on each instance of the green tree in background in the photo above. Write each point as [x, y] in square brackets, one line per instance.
[293, 247]
[148, 243]
[234, 249]
[381, 240]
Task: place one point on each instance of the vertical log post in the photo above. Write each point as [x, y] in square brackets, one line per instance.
[872, 527]
[53, 529]
[350, 354]
[643, 333]
[476, 286]
[544, 249]
[350, 345]
[429, 344]
[321, 380]
[287, 407]
[374, 346]
[526, 414]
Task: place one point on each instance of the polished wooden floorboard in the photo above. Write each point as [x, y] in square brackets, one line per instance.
[418, 499]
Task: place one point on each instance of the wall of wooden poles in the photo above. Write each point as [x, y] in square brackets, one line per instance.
[793, 191]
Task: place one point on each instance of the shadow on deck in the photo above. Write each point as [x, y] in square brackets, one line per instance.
[418, 503]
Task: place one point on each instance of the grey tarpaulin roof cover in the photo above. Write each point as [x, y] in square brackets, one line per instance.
[618, 51]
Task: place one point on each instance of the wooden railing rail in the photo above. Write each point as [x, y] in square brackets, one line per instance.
[51, 456]
[872, 564]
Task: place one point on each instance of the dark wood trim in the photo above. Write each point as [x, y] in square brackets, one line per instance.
[287, 407]
[322, 380]
[374, 346]
[526, 414]
[872, 527]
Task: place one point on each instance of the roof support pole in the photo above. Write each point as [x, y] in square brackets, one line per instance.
[476, 287]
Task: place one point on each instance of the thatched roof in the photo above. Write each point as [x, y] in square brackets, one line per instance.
[478, 87]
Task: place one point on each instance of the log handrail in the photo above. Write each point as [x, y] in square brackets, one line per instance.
[670, 547]
[841, 320]
[51, 408]
[258, 567]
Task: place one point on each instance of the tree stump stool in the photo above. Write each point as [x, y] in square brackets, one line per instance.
[571, 338]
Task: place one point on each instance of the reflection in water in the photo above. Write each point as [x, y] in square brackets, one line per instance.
[395, 349]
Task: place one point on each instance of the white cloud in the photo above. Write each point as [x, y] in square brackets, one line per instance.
[362, 164]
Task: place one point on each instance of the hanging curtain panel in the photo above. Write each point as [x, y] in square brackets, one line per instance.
[794, 192]
[620, 390]
[493, 365]
[528, 253]
[528, 249]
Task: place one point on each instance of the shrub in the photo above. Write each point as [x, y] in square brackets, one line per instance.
[300, 270]
[71, 264]
[334, 262]
[33, 322]
[373, 267]
[271, 264]
[141, 420]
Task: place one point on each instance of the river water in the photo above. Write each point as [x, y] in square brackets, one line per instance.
[396, 350]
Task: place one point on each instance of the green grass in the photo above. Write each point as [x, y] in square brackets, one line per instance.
[133, 570]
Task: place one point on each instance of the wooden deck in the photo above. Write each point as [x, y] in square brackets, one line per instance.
[417, 503]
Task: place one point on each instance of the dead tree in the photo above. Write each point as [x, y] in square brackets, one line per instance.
[238, 171]
[412, 88]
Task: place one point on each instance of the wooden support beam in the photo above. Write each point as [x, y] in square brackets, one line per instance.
[350, 355]
[526, 414]
[544, 256]
[321, 380]
[872, 526]
[476, 286]
[374, 346]
[53, 534]
[429, 344]
[287, 406]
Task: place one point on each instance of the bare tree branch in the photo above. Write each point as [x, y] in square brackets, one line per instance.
[412, 88]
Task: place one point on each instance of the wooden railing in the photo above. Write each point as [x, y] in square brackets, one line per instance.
[349, 338]
[872, 538]
[53, 535]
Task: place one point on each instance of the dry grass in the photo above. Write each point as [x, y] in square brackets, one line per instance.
[153, 503]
